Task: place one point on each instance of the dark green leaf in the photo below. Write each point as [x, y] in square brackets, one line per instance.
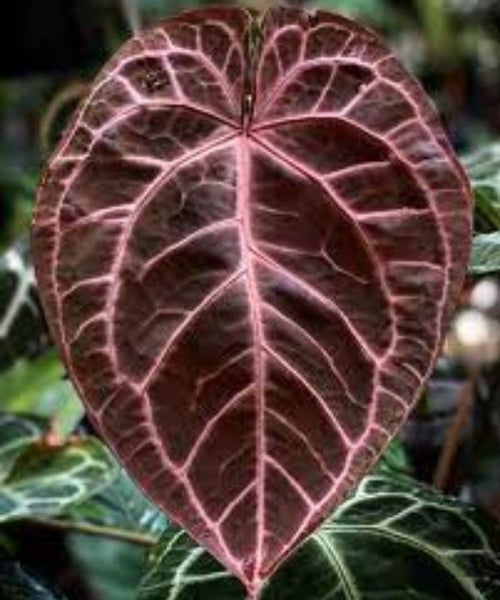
[18, 584]
[40, 480]
[483, 168]
[16, 434]
[394, 460]
[23, 332]
[393, 539]
[121, 505]
[111, 568]
[485, 256]
[37, 387]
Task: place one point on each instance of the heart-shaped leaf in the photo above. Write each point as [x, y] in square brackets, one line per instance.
[248, 245]
[393, 539]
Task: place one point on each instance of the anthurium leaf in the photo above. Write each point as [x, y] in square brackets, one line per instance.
[18, 584]
[485, 256]
[249, 244]
[23, 332]
[392, 539]
[39, 479]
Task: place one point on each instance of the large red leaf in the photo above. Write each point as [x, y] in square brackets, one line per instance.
[248, 245]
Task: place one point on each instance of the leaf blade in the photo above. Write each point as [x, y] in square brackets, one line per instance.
[38, 480]
[485, 257]
[279, 263]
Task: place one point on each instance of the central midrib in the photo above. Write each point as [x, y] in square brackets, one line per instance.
[243, 214]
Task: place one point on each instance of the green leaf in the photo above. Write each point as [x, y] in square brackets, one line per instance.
[79, 482]
[112, 569]
[394, 460]
[22, 384]
[121, 505]
[485, 256]
[16, 434]
[23, 332]
[393, 539]
[39, 480]
[37, 387]
[18, 584]
[483, 168]
[32, 375]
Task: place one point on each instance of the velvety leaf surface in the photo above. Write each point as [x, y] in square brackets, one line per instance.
[23, 332]
[393, 539]
[248, 244]
[122, 505]
[39, 480]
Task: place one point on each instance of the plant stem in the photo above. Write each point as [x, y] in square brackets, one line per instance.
[113, 533]
[455, 433]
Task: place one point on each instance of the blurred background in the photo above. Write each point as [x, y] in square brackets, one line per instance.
[52, 50]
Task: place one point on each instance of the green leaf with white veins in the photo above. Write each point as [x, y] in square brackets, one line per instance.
[40, 480]
[483, 168]
[16, 434]
[485, 256]
[123, 506]
[23, 332]
[393, 539]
